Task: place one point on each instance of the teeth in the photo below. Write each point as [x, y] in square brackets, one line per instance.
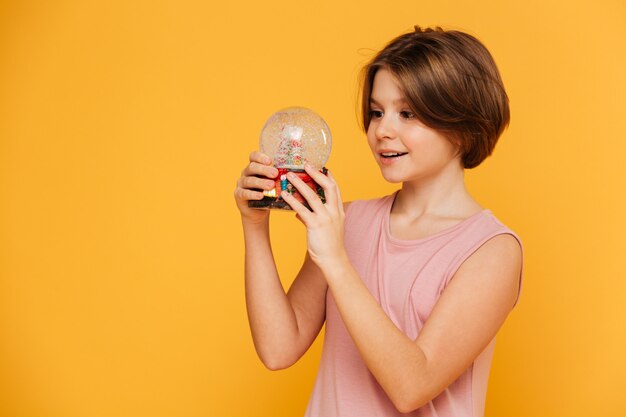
[389, 154]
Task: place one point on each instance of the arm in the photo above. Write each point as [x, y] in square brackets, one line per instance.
[283, 326]
[464, 321]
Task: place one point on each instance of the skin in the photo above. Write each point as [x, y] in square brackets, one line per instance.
[433, 197]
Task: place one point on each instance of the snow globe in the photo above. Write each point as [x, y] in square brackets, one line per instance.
[292, 137]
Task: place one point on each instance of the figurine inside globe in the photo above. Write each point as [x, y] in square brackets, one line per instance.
[293, 137]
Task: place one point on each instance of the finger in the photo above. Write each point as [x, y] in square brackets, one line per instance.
[328, 184]
[257, 183]
[260, 157]
[338, 191]
[245, 195]
[309, 195]
[319, 178]
[256, 168]
[301, 211]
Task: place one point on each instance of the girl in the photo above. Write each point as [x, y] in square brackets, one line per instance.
[415, 285]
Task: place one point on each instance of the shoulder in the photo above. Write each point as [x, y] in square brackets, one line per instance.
[499, 241]
[484, 233]
[489, 254]
[496, 264]
[504, 248]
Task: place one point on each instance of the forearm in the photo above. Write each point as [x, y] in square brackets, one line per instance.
[460, 326]
[396, 361]
[272, 319]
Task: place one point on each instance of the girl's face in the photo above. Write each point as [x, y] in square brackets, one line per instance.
[404, 148]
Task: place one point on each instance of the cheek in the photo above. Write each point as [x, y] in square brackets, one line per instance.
[451, 148]
[440, 145]
[371, 141]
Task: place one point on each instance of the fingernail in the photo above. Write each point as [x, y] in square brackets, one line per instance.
[307, 166]
[291, 175]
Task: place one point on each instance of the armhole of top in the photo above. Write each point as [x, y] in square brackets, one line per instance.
[477, 246]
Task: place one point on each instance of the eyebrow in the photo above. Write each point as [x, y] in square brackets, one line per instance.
[399, 100]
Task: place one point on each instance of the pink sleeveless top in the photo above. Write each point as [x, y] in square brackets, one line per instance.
[406, 277]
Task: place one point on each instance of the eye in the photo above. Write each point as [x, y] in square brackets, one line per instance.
[376, 114]
[407, 114]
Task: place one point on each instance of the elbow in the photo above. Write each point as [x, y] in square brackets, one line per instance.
[275, 362]
[276, 357]
[274, 365]
[413, 389]
[408, 405]
[407, 401]
[405, 408]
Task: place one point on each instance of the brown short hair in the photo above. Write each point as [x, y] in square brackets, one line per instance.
[451, 83]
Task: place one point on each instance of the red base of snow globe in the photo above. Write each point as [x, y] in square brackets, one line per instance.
[272, 198]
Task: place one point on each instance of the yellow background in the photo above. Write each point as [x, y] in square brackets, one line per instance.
[124, 126]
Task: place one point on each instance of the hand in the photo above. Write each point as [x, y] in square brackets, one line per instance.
[257, 175]
[324, 222]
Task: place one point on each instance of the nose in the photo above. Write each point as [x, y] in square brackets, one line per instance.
[384, 128]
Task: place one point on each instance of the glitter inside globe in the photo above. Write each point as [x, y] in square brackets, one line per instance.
[293, 137]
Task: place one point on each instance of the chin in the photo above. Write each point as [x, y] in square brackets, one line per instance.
[392, 178]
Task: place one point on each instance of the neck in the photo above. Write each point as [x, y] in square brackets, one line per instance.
[443, 195]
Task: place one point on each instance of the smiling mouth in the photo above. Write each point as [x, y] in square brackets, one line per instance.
[389, 155]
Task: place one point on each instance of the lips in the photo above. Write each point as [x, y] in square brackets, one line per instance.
[389, 157]
[392, 154]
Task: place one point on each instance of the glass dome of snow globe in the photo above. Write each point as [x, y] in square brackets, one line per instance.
[292, 137]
